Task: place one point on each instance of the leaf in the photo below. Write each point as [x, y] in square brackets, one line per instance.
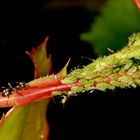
[118, 20]
[42, 62]
[13, 124]
[36, 122]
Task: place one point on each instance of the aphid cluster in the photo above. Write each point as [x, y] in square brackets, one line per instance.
[6, 91]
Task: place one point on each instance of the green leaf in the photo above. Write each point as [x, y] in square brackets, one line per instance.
[25, 123]
[36, 128]
[42, 62]
[118, 20]
[12, 126]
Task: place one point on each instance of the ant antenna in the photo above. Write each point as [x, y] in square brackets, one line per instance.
[10, 86]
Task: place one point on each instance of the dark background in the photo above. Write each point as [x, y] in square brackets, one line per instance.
[23, 26]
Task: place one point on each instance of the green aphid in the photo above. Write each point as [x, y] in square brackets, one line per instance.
[73, 76]
[132, 39]
[86, 83]
[136, 74]
[114, 76]
[99, 79]
[55, 93]
[97, 74]
[116, 69]
[128, 65]
[119, 84]
[132, 70]
[104, 86]
[127, 60]
[115, 83]
[89, 88]
[125, 79]
[137, 81]
[76, 89]
[90, 75]
[77, 73]
[121, 72]
[124, 85]
[111, 60]
[106, 71]
[69, 80]
[134, 85]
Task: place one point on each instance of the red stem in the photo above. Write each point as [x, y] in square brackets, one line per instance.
[32, 94]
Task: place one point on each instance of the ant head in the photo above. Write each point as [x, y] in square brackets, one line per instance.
[20, 85]
[6, 92]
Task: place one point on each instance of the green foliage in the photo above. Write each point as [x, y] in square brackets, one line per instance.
[25, 123]
[35, 125]
[118, 20]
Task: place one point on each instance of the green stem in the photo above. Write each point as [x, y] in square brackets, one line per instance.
[121, 69]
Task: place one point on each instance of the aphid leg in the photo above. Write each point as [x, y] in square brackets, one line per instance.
[63, 101]
[91, 91]
[53, 100]
[4, 94]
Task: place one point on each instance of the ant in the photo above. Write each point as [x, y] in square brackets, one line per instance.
[20, 85]
[8, 91]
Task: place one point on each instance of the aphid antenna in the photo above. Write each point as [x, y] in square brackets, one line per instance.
[88, 58]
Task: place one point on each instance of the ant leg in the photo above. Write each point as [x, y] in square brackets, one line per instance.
[20, 86]
[18, 93]
[10, 86]
[7, 102]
